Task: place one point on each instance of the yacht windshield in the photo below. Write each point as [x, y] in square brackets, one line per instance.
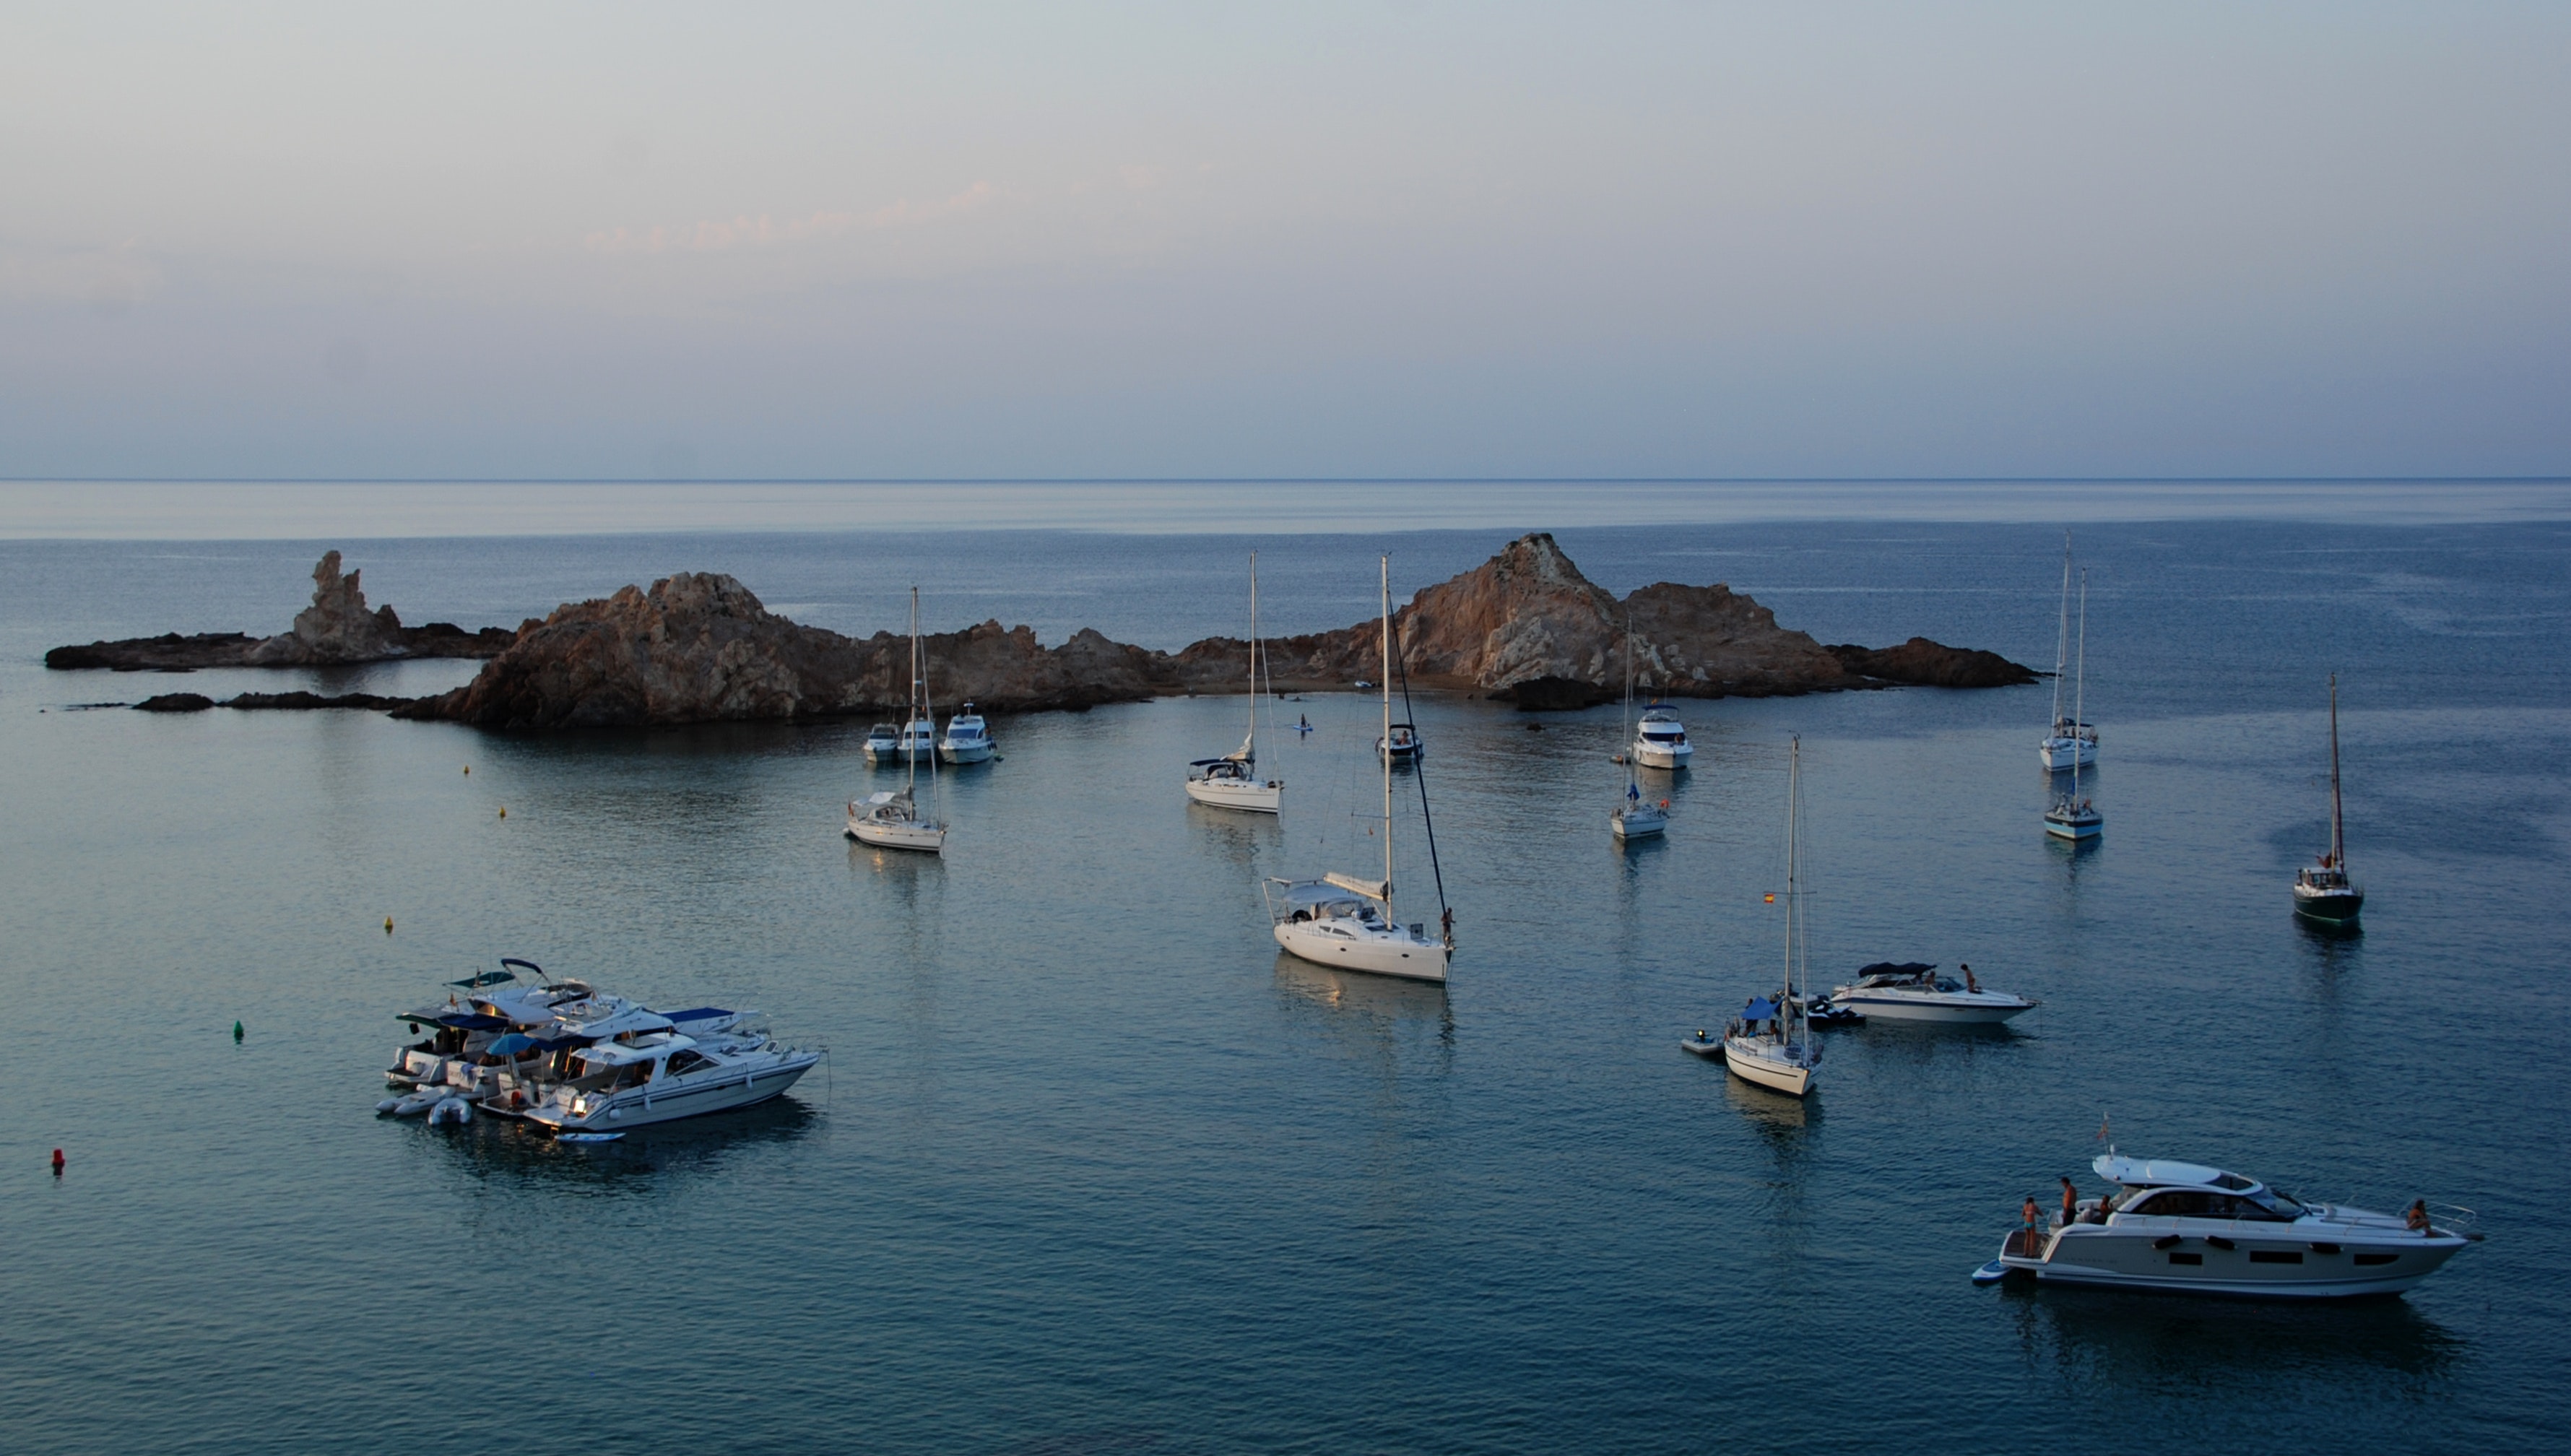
[2276, 1202]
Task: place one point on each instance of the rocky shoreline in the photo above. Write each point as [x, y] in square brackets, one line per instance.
[1524, 627]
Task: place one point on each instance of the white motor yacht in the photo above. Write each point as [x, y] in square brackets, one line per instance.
[1661, 741]
[883, 743]
[968, 739]
[2186, 1226]
[1340, 920]
[919, 739]
[664, 1076]
[1910, 991]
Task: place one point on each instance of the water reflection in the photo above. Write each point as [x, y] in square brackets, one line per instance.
[647, 1160]
[2176, 1342]
[1378, 1003]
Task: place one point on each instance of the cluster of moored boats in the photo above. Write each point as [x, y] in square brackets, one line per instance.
[588, 1065]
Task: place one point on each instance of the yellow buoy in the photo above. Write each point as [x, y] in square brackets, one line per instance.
[468, 769]
[504, 812]
[388, 925]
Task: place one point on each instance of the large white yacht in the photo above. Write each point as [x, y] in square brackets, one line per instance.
[968, 739]
[2186, 1226]
[659, 1077]
[1910, 991]
[1661, 742]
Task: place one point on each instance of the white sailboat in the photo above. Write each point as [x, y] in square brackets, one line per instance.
[2324, 891]
[1637, 818]
[1342, 921]
[2070, 742]
[1771, 1042]
[2072, 816]
[891, 819]
[1231, 781]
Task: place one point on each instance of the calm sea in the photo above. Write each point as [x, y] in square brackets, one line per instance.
[1091, 1169]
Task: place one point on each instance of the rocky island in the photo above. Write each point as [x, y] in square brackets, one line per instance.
[335, 629]
[1524, 627]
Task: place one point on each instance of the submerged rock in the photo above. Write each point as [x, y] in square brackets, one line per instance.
[176, 703]
[1926, 663]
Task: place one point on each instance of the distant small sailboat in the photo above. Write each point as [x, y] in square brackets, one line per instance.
[1637, 818]
[2324, 891]
[2072, 816]
[891, 819]
[1231, 781]
[2070, 742]
[1771, 1042]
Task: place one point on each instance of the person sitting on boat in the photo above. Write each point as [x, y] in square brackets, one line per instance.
[2417, 1218]
[1974, 983]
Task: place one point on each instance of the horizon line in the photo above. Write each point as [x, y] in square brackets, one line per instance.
[1287, 480]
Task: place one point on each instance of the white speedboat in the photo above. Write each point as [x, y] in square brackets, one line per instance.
[1913, 992]
[968, 739]
[1400, 744]
[883, 743]
[1771, 1042]
[661, 1076]
[891, 819]
[2184, 1226]
[1344, 921]
[2069, 744]
[2072, 817]
[1231, 781]
[2324, 891]
[1661, 741]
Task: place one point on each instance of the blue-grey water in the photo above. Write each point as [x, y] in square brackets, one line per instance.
[1091, 1169]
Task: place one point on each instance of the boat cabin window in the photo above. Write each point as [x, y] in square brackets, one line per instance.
[2183, 1204]
[632, 1074]
[682, 1063]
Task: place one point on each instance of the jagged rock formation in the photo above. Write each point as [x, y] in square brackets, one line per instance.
[200, 702]
[335, 628]
[700, 647]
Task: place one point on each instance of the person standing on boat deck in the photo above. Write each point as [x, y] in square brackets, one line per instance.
[2070, 1203]
[1974, 985]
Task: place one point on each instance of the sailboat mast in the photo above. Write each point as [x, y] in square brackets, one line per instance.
[1252, 740]
[2062, 639]
[2080, 687]
[2339, 850]
[1387, 685]
[909, 742]
[1793, 817]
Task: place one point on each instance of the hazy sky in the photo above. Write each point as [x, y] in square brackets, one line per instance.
[1054, 239]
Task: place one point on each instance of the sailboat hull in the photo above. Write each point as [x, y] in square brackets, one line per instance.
[2074, 828]
[926, 838]
[1393, 953]
[2336, 905]
[1639, 823]
[1234, 793]
[2062, 753]
[1760, 1065]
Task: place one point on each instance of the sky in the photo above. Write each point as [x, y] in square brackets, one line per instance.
[1204, 240]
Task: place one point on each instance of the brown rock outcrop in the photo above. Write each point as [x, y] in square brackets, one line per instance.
[1926, 663]
[335, 628]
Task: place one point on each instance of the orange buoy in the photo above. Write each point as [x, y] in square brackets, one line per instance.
[58, 1162]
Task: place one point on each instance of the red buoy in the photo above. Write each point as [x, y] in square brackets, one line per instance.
[58, 1162]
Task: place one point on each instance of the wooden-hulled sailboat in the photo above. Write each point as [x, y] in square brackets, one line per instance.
[1231, 781]
[891, 819]
[2072, 816]
[1344, 921]
[2324, 891]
